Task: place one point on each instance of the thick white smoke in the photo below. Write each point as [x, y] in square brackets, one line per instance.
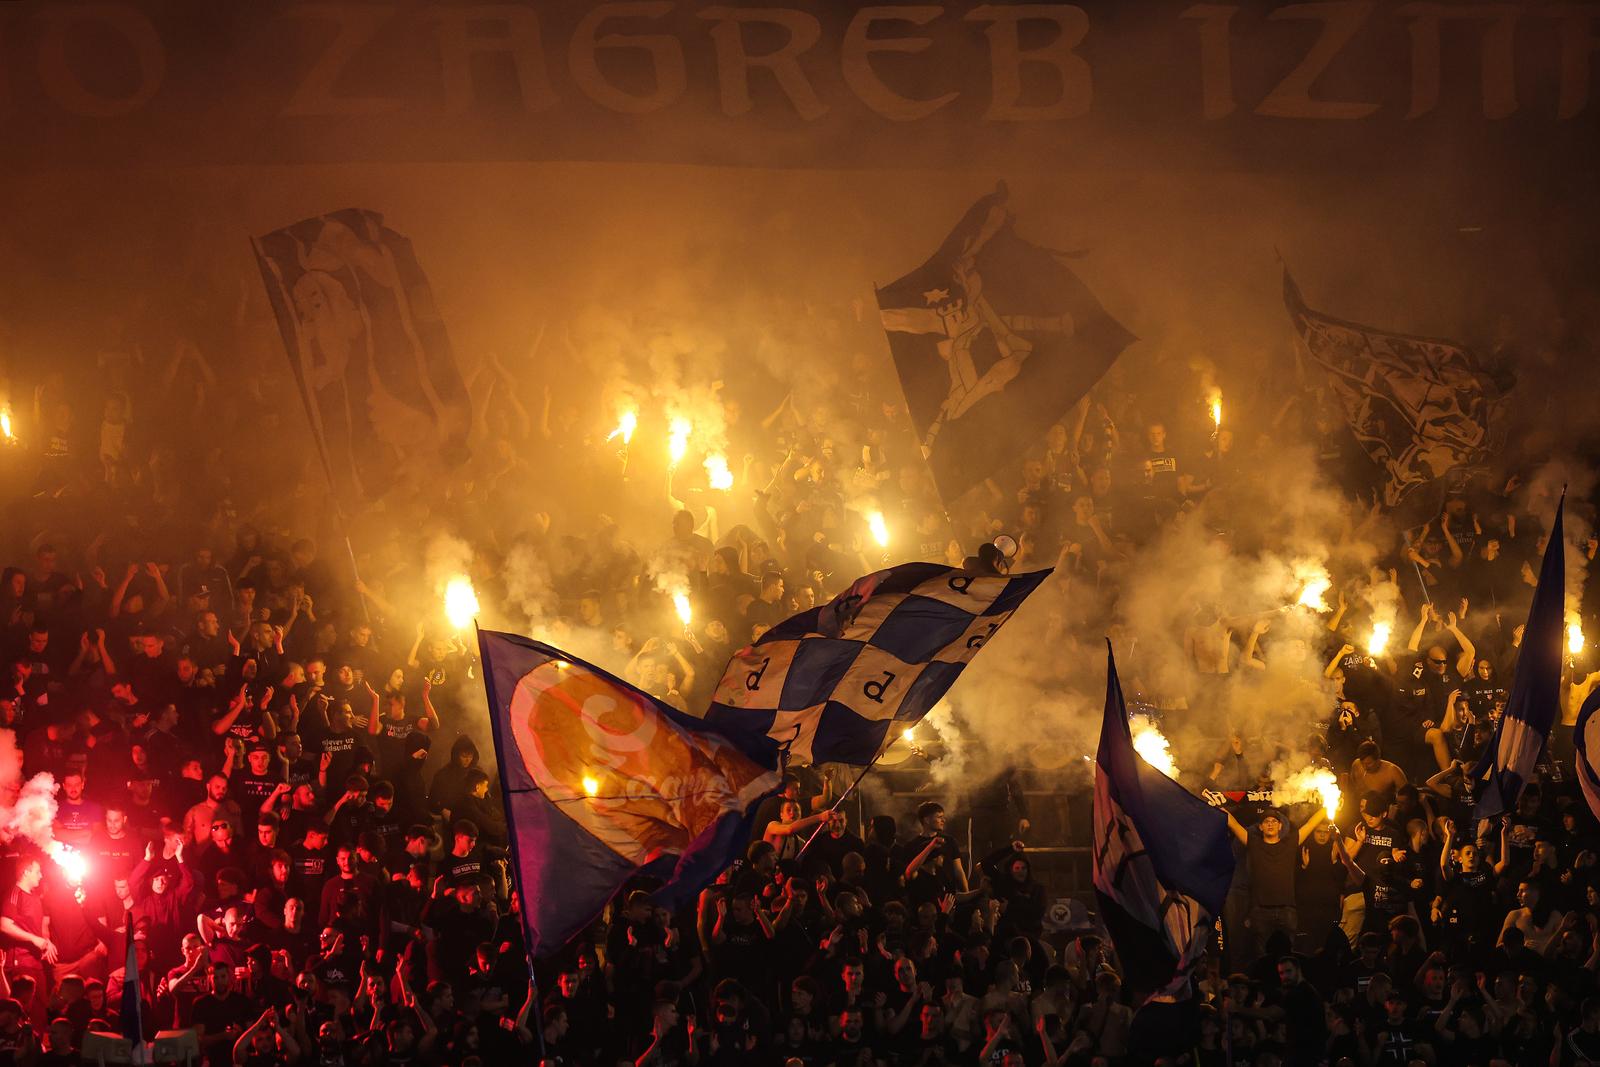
[1240, 559]
[27, 809]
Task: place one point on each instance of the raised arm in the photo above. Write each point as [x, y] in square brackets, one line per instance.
[1311, 824]
[236, 706]
[382, 605]
[920, 858]
[241, 1047]
[1469, 654]
[412, 659]
[428, 711]
[1449, 723]
[1249, 658]
[1333, 664]
[1415, 643]
[1336, 620]
[121, 591]
[1438, 782]
[1341, 852]
[1450, 541]
[1505, 841]
[778, 829]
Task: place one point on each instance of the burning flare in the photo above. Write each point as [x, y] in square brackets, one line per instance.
[591, 785]
[909, 734]
[879, 528]
[74, 865]
[1152, 746]
[1314, 783]
[1216, 409]
[680, 604]
[678, 438]
[627, 422]
[460, 602]
[5, 425]
[1574, 637]
[1315, 582]
[1379, 641]
[717, 473]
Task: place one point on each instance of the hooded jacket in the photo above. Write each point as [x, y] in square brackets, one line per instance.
[450, 783]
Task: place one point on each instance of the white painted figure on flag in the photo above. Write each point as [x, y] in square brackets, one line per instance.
[962, 315]
[994, 340]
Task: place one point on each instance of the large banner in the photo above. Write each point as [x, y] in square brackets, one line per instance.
[1330, 85]
[1421, 408]
[367, 347]
[994, 339]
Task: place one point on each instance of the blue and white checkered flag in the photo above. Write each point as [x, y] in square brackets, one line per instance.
[828, 684]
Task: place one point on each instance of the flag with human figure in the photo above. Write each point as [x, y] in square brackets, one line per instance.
[603, 783]
[1163, 860]
[1421, 409]
[828, 685]
[1507, 764]
[994, 339]
[367, 347]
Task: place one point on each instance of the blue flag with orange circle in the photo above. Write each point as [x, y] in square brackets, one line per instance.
[603, 782]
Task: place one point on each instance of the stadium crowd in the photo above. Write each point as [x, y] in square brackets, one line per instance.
[278, 778]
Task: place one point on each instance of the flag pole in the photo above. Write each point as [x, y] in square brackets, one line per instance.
[511, 840]
[842, 798]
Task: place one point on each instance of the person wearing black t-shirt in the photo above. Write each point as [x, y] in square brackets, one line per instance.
[1397, 1033]
[1348, 729]
[312, 862]
[1272, 848]
[1484, 690]
[1169, 476]
[114, 846]
[1465, 908]
[256, 782]
[932, 820]
[392, 730]
[1374, 843]
[221, 1016]
[670, 1041]
[294, 766]
[337, 744]
[1432, 677]
[1325, 868]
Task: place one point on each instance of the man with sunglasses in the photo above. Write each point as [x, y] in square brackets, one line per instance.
[1426, 685]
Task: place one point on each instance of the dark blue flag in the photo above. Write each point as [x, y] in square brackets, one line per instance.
[1586, 740]
[367, 347]
[603, 782]
[994, 340]
[1535, 696]
[1425, 411]
[1163, 860]
[133, 1003]
[826, 686]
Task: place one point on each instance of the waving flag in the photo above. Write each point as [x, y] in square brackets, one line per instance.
[367, 347]
[1420, 408]
[827, 684]
[1163, 860]
[1586, 737]
[1535, 695]
[994, 340]
[603, 782]
[133, 1004]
